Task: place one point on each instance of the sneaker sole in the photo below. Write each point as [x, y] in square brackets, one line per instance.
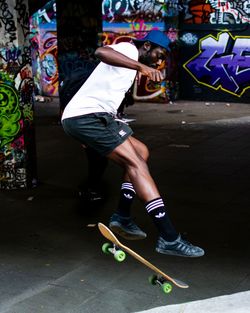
[121, 232]
[169, 252]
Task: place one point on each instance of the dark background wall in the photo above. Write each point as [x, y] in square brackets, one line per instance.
[35, 5]
[78, 25]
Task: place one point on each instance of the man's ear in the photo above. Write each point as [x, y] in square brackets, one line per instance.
[147, 45]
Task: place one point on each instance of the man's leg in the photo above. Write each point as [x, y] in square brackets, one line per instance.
[138, 173]
[127, 189]
[136, 169]
[121, 221]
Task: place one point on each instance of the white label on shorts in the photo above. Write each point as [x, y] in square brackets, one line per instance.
[122, 133]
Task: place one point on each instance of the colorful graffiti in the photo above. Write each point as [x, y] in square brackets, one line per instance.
[16, 98]
[10, 113]
[120, 16]
[223, 62]
[7, 25]
[216, 11]
[230, 11]
[44, 50]
[197, 12]
[124, 20]
[145, 90]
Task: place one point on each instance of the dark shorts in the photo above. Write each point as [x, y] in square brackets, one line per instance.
[100, 131]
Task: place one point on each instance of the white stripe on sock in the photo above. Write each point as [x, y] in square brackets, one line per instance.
[154, 205]
[128, 186]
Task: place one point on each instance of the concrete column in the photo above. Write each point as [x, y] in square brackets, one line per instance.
[17, 144]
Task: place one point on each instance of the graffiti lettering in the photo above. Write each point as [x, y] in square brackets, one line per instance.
[6, 18]
[123, 9]
[13, 177]
[22, 16]
[218, 11]
[174, 7]
[15, 57]
[43, 13]
[222, 62]
[230, 12]
[71, 63]
[12, 55]
[189, 38]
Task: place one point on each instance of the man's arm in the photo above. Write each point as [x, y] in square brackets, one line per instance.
[115, 58]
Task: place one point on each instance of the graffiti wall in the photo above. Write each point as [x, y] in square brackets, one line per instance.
[128, 19]
[215, 36]
[43, 27]
[223, 62]
[216, 11]
[17, 146]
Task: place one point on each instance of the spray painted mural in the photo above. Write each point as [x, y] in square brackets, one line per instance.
[215, 36]
[223, 62]
[17, 155]
[44, 50]
[123, 15]
[215, 11]
[127, 19]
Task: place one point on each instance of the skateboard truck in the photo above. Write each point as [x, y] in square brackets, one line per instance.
[161, 281]
[119, 255]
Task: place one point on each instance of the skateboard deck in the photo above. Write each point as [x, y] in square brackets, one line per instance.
[118, 250]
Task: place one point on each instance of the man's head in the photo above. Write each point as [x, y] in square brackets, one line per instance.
[153, 48]
[156, 38]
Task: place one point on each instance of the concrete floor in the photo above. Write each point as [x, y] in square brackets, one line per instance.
[51, 262]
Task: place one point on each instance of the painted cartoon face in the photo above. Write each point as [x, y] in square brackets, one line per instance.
[49, 65]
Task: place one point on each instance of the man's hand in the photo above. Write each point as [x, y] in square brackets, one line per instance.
[152, 73]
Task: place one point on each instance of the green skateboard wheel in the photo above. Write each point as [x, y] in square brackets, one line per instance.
[105, 248]
[152, 279]
[120, 255]
[166, 287]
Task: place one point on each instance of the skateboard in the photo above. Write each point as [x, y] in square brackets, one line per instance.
[119, 250]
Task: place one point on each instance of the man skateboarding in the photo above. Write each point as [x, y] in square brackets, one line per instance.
[90, 117]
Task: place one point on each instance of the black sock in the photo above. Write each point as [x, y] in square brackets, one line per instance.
[157, 212]
[126, 199]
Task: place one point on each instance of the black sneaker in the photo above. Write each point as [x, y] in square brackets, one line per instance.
[126, 228]
[179, 247]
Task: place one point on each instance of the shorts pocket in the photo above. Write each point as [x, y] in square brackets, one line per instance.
[104, 118]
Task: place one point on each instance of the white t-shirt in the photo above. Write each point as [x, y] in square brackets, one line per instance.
[104, 90]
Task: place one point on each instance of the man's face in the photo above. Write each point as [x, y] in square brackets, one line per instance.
[153, 57]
